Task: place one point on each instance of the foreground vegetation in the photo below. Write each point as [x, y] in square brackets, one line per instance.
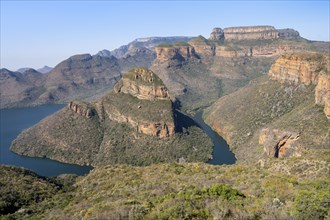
[173, 191]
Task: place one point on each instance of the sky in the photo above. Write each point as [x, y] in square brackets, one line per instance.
[38, 33]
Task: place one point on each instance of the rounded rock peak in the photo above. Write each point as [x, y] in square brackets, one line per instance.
[144, 75]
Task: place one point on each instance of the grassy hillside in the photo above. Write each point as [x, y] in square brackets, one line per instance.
[187, 191]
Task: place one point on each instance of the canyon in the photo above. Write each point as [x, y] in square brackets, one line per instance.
[95, 133]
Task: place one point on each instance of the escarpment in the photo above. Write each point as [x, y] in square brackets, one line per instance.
[305, 68]
[278, 115]
[135, 124]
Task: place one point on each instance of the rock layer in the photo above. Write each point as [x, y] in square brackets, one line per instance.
[296, 68]
[250, 33]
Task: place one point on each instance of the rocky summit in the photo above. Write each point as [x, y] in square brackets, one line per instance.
[135, 124]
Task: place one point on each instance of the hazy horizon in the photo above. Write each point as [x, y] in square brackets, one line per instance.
[35, 33]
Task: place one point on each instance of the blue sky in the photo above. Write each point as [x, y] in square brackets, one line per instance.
[37, 33]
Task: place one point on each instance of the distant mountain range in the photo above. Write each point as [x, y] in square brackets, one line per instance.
[45, 69]
[229, 59]
[147, 43]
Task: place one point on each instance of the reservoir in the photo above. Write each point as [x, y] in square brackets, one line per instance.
[221, 153]
[14, 121]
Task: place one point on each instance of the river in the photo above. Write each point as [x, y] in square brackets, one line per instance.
[14, 121]
[221, 153]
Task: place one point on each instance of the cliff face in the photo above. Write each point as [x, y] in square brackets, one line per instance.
[179, 53]
[322, 93]
[305, 68]
[250, 33]
[82, 108]
[202, 46]
[143, 84]
[296, 68]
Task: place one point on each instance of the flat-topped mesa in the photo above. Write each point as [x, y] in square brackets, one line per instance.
[142, 83]
[297, 68]
[82, 108]
[250, 33]
[180, 51]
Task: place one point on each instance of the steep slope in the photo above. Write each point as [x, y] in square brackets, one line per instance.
[19, 89]
[279, 117]
[78, 75]
[134, 124]
[201, 70]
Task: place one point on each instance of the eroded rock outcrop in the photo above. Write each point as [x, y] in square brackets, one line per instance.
[278, 144]
[143, 84]
[202, 46]
[250, 33]
[174, 52]
[82, 108]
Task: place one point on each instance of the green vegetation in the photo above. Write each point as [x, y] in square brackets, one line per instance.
[269, 104]
[185, 191]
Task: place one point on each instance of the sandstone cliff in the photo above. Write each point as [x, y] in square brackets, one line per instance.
[322, 93]
[143, 84]
[135, 124]
[179, 52]
[250, 32]
[297, 68]
[305, 68]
